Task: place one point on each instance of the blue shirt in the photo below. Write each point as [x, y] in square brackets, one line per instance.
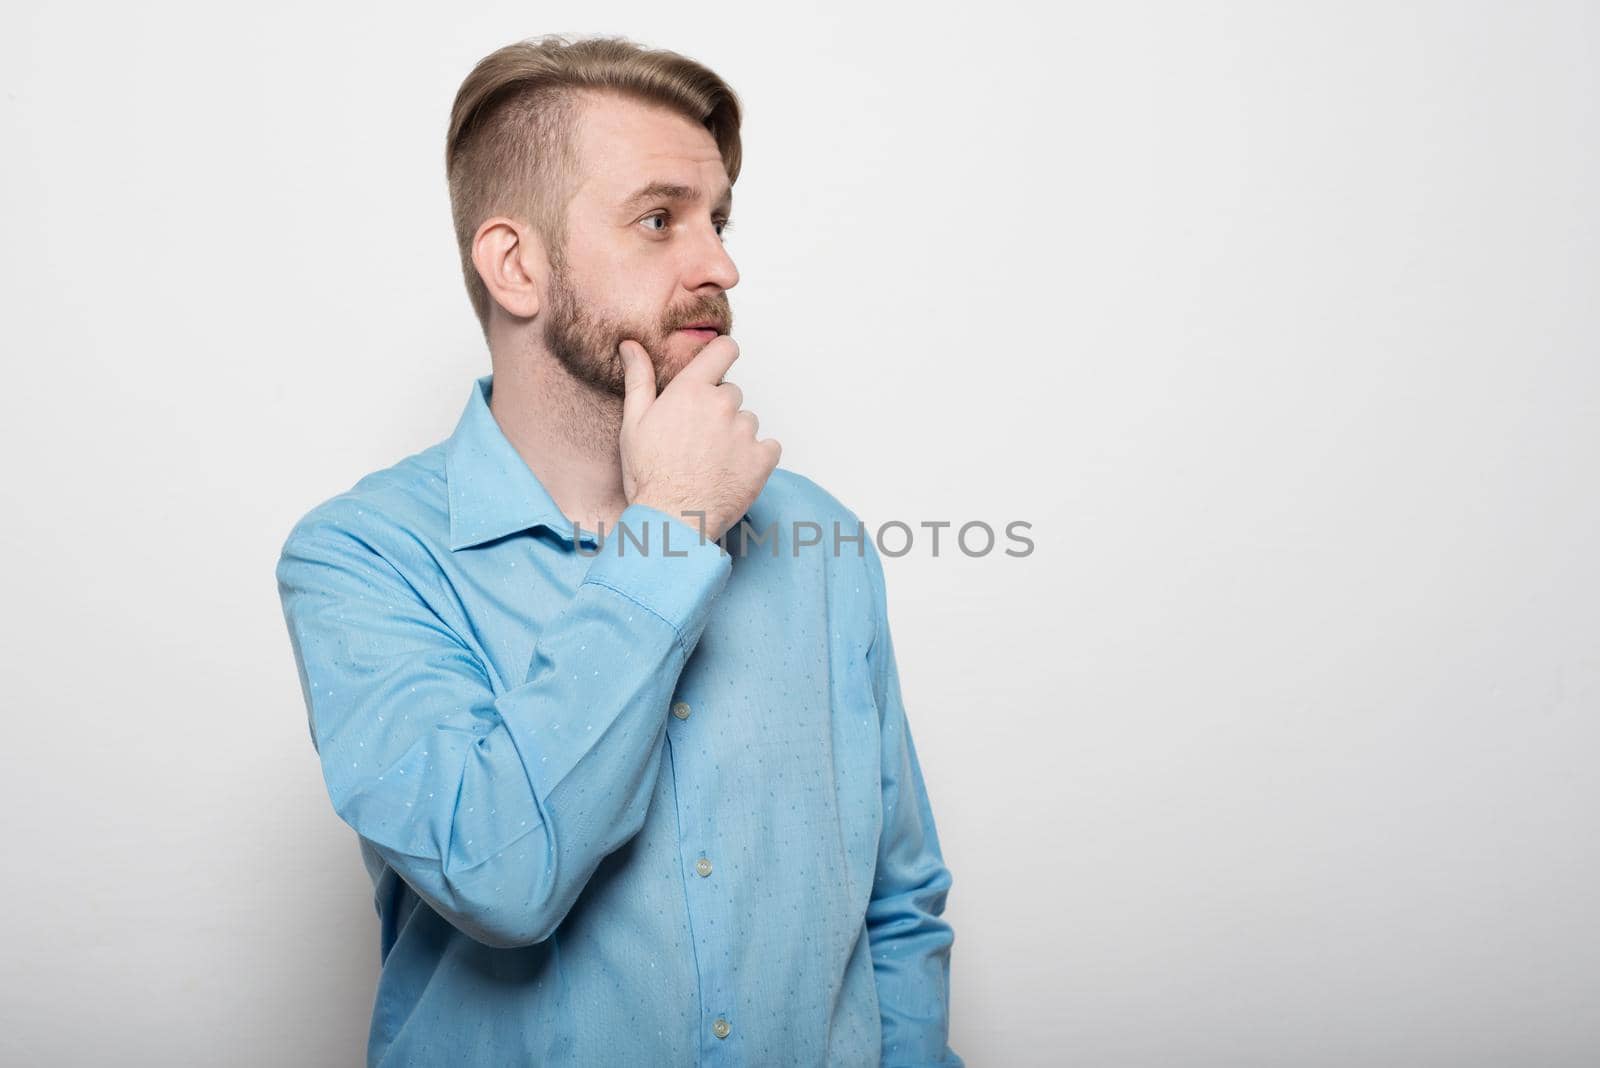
[622, 802]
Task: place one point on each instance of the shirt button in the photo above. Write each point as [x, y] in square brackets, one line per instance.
[703, 866]
[720, 1028]
[681, 709]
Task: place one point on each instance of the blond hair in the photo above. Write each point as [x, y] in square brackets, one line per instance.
[510, 148]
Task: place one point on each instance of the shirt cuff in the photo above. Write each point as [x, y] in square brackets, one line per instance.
[660, 562]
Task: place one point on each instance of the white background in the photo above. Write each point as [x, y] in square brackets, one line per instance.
[1277, 322]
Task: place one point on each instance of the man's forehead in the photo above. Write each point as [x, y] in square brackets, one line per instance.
[634, 152]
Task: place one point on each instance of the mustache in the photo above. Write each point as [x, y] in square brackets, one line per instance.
[716, 313]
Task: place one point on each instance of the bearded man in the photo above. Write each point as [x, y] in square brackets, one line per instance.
[628, 793]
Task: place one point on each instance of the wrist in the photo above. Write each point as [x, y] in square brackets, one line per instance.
[701, 526]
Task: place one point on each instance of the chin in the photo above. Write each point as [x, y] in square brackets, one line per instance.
[667, 372]
[677, 353]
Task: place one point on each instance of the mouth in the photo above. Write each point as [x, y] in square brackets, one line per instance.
[701, 331]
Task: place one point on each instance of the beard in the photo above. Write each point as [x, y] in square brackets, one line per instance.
[586, 343]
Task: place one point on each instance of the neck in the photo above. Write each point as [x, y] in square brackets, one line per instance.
[566, 432]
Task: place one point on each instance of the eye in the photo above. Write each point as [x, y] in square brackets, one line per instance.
[723, 225]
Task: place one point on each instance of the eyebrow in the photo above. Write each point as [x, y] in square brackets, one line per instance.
[659, 190]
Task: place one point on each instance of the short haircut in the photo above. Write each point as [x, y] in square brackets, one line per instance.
[510, 149]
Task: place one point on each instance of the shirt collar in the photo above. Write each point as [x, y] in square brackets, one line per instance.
[492, 490]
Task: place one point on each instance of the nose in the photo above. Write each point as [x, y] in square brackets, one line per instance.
[709, 262]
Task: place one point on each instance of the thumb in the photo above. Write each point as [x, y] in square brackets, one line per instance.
[640, 383]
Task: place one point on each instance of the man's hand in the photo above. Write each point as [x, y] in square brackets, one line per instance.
[691, 449]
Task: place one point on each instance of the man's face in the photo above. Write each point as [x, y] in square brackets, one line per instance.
[642, 260]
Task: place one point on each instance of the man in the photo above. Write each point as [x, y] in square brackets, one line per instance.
[630, 798]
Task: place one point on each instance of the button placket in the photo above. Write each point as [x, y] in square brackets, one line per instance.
[720, 1027]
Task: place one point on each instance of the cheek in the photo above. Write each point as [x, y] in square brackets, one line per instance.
[636, 301]
[637, 262]
[628, 287]
[609, 298]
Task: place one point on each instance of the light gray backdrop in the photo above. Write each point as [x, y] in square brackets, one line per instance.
[1277, 321]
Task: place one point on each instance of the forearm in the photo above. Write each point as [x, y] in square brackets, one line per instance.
[499, 831]
[910, 939]
[495, 808]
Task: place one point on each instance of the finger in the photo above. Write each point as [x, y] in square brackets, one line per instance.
[711, 362]
[731, 395]
[640, 384]
[748, 420]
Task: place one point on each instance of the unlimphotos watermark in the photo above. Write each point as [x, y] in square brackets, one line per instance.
[893, 538]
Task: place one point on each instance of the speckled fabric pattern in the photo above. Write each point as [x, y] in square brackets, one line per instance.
[622, 802]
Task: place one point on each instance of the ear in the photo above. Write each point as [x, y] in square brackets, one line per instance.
[512, 263]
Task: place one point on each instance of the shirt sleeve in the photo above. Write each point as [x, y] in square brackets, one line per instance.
[495, 808]
[910, 940]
